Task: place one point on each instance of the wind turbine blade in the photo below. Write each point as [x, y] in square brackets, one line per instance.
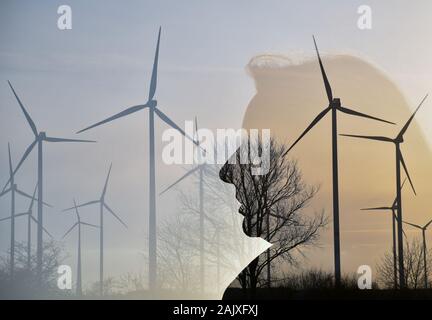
[153, 83]
[4, 219]
[414, 225]
[377, 208]
[46, 231]
[67, 232]
[403, 183]
[403, 231]
[43, 228]
[26, 153]
[89, 224]
[21, 214]
[394, 204]
[116, 116]
[427, 224]
[172, 124]
[30, 197]
[311, 125]
[378, 138]
[324, 75]
[395, 200]
[33, 198]
[29, 119]
[10, 162]
[405, 127]
[106, 180]
[359, 114]
[406, 171]
[196, 138]
[181, 178]
[52, 139]
[76, 210]
[5, 191]
[116, 216]
[82, 205]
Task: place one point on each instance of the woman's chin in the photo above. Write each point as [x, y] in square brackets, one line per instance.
[245, 229]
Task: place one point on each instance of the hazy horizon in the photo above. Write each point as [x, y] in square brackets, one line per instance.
[71, 79]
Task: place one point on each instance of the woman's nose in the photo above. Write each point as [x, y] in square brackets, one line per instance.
[225, 173]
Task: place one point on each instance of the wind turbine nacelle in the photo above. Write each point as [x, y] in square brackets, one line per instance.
[336, 102]
[152, 103]
[42, 135]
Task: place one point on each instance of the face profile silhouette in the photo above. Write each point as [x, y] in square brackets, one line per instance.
[231, 173]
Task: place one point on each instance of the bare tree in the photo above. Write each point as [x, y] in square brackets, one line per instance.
[25, 282]
[177, 257]
[273, 205]
[414, 266]
[132, 282]
[317, 279]
[111, 287]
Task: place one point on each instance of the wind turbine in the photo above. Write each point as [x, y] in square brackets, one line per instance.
[78, 224]
[334, 106]
[423, 229]
[399, 160]
[151, 104]
[30, 219]
[102, 207]
[40, 138]
[393, 209]
[13, 189]
[201, 171]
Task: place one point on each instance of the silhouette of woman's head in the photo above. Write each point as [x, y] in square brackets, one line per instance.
[289, 94]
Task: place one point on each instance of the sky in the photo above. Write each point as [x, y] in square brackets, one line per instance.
[69, 79]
